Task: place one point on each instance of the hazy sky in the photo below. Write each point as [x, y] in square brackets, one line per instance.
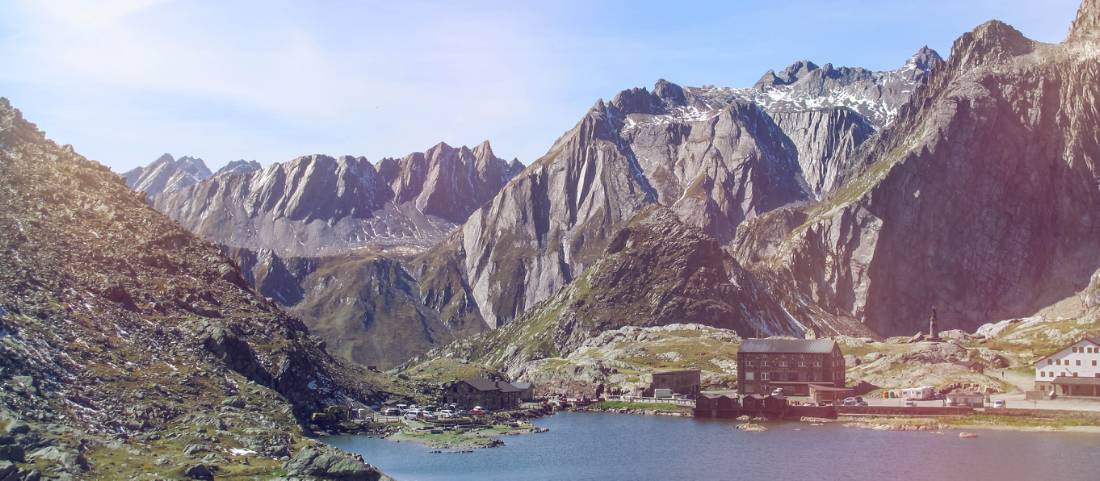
[124, 81]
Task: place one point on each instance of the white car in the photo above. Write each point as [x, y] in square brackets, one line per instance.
[999, 404]
[446, 413]
[412, 414]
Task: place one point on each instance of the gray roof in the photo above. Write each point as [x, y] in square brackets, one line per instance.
[485, 385]
[788, 346]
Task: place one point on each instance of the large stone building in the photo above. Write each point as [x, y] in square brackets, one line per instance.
[1072, 371]
[792, 364]
[493, 395]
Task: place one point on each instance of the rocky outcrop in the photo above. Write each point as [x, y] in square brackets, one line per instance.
[319, 205]
[167, 174]
[1086, 26]
[323, 462]
[979, 199]
[1090, 297]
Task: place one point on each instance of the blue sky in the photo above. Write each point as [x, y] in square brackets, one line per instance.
[126, 80]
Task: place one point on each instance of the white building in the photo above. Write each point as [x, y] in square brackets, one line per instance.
[1072, 371]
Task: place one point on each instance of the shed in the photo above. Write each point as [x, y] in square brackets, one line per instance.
[966, 398]
[829, 394]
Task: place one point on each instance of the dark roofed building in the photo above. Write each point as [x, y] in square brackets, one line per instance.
[493, 395]
[792, 364]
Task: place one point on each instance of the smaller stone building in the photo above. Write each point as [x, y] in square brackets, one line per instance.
[492, 395]
[683, 381]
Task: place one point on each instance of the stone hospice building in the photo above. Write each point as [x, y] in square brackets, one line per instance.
[792, 364]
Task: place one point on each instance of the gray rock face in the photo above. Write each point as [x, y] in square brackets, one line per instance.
[167, 174]
[827, 141]
[981, 198]
[446, 182]
[319, 205]
[716, 156]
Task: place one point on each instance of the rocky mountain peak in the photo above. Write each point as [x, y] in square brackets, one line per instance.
[239, 167]
[1087, 23]
[925, 59]
[789, 75]
[990, 43]
[670, 93]
[635, 100]
[167, 174]
[484, 150]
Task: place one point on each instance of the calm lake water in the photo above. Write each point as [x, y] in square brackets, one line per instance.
[610, 447]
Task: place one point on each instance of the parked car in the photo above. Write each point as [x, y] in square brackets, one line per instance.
[391, 412]
[777, 392]
[477, 411]
[412, 413]
[999, 404]
[911, 404]
[446, 413]
[854, 401]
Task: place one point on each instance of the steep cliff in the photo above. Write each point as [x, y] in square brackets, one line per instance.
[980, 199]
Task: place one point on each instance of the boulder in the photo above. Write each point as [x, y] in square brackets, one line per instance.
[200, 471]
[330, 463]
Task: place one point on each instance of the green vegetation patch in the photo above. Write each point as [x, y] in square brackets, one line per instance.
[641, 406]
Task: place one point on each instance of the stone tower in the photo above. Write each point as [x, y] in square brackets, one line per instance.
[933, 328]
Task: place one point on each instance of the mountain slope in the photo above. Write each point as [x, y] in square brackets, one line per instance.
[716, 156]
[979, 200]
[368, 308]
[121, 335]
[655, 271]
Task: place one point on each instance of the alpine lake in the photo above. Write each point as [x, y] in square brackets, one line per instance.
[619, 447]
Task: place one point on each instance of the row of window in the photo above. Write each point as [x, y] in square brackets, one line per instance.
[1060, 362]
[780, 376]
[1087, 349]
[781, 364]
[1062, 374]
